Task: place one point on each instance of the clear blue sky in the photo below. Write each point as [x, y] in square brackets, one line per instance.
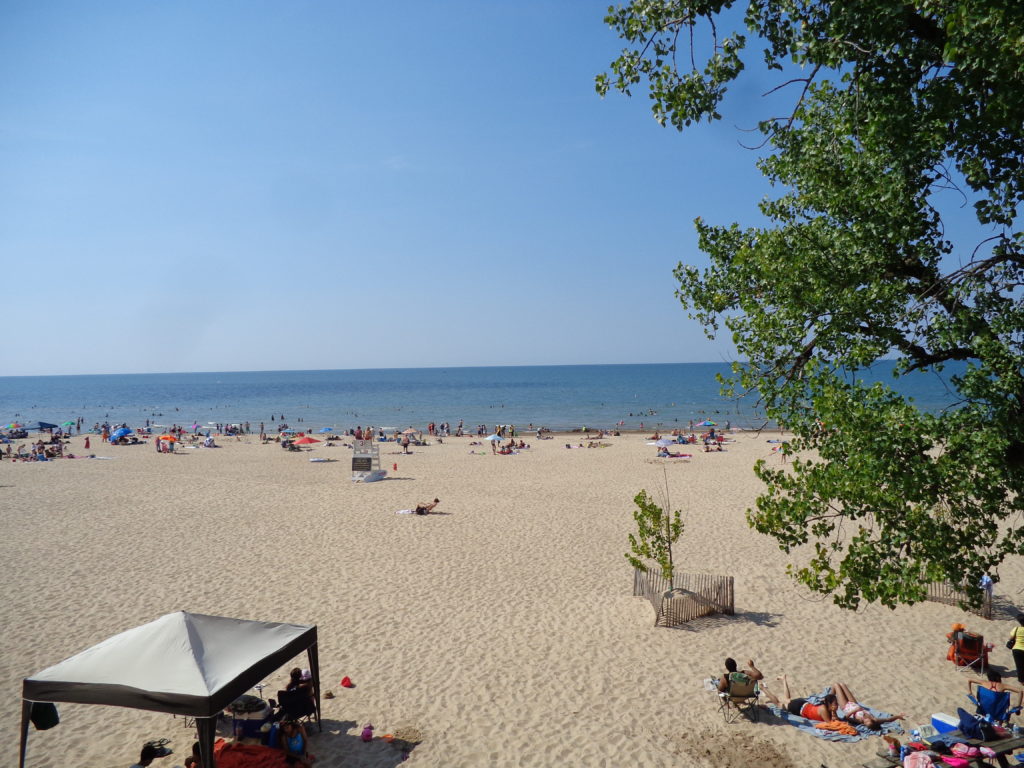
[285, 185]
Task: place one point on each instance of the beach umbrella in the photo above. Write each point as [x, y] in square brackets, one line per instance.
[289, 431]
[410, 431]
[664, 442]
[325, 429]
[306, 441]
[493, 438]
[68, 423]
[44, 425]
[169, 438]
[707, 423]
[14, 425]
[117, 434]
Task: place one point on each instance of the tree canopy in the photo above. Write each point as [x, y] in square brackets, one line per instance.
[893, 104]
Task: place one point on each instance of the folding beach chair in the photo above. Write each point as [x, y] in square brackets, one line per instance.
[740, 699]
[296, 705]
[969, 651]
[993, 705]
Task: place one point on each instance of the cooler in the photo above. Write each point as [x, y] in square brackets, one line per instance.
[248, 724]
[944, 723]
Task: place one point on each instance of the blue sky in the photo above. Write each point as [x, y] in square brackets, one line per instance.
[256, 185]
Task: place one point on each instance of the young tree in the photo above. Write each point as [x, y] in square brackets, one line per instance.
[657, 531]
[893, 102]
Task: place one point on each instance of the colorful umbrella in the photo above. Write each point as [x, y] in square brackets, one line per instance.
[13, 425]
[707, 423]
[169, 438]
[68, 423]
[306, 441]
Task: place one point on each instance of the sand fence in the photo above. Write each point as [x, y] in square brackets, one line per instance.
[688, 596]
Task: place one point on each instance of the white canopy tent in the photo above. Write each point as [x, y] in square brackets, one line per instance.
[182, 663]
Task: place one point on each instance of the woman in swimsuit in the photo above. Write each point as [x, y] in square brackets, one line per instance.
[292, 740]
[854, 712]
[823, 713]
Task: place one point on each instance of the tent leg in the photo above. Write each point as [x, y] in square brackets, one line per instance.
[26, 713]
[314, 668]
[207, 731]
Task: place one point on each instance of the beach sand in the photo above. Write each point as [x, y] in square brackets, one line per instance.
[503, 630]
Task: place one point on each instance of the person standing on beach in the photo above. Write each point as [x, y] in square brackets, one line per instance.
[1017, 649]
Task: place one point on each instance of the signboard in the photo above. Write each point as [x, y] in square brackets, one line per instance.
[362, 464]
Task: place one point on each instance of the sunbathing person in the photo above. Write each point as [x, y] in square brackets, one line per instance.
[854, 712]
[730, 669]
[823, 713]
[425, 509]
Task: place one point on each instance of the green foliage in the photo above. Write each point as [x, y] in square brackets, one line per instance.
[657, 531]
[893, 103]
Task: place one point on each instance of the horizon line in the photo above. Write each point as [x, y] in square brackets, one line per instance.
[380, 368]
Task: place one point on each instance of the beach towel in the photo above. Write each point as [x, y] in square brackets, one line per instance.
[838, 726]
[808, 726]
[406, 512]
[247, 756]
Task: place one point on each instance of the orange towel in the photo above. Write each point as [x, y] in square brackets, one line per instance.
[837, 725]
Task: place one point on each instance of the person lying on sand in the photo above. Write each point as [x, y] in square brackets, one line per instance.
[823, 713]
[424, 508]
[841, 704]
[854, 712]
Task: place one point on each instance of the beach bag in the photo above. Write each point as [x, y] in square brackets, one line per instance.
[918, 760]
[972, 727]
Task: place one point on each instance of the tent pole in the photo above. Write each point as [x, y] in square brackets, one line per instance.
[314, 668]
[26, 713]
[207, 731]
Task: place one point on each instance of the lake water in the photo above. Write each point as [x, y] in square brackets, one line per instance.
[559, 397]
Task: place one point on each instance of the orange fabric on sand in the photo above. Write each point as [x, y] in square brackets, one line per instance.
[247, 756]
[836, 725]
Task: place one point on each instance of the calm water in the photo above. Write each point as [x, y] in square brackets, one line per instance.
[559, 397]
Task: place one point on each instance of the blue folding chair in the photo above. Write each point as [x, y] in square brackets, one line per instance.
[992, 705]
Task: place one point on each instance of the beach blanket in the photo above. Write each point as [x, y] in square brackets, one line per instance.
[406, 512]
[810, 726]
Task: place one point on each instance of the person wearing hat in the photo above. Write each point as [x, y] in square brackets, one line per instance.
[146, 757]
[301, 680]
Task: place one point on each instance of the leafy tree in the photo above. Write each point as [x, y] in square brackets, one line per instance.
[657, 531]
[893, 105]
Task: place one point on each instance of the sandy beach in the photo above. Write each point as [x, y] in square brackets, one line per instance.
[504, 630]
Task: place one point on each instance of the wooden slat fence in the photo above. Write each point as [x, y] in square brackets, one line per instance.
[694, 595]
[947, 594]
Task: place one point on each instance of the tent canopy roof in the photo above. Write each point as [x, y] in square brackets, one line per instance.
[182, 663]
